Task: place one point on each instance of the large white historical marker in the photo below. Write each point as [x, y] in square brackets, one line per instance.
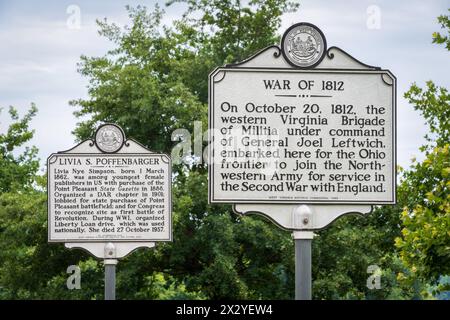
[284, 132]
[302, 133]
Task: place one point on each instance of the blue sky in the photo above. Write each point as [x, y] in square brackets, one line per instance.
[39, 55]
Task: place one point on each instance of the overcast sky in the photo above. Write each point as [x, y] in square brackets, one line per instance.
[39, 53]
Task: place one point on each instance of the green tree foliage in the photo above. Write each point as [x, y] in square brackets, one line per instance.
[17, 171]
[434, 105]
[444, 21]
[27, 263]
[137, 85]
[425, 241]
[230, 31]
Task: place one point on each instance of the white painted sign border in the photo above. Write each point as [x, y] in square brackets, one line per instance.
[102, 249]
[270, 60]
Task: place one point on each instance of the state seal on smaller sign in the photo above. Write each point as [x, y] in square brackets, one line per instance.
[303, 45]
[109, 138]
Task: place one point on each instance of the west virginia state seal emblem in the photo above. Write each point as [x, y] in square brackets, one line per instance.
[303, 45]
[109, 138]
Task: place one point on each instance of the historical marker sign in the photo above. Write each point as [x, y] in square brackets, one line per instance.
[305, 126]
[298, 127]
[109, 195]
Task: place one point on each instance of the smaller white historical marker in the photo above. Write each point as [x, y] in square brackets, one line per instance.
[109, 190]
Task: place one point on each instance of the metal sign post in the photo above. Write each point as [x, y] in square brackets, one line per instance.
[302, 220]
[110, 278]
[110, 253]
[110, 271]
[302, 240]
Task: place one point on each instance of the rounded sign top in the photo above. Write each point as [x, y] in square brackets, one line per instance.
[109, 138]
[303, 45]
